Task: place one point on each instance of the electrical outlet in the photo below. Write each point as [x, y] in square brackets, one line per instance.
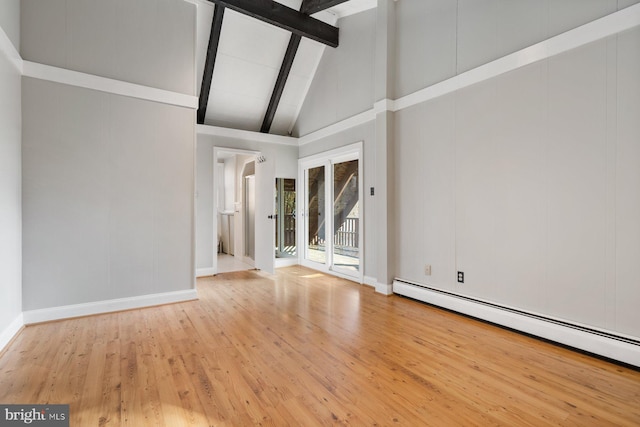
[427, 270]
[460, 276]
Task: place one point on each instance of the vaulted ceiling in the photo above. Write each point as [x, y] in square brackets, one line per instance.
[260, 73]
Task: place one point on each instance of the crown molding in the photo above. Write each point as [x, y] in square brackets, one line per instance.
[599, 29]
[245, 135]
[103, 84]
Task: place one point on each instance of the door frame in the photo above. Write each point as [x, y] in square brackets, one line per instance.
[328, 159]
[240, 212]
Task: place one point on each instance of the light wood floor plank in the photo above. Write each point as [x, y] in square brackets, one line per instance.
[305, 349]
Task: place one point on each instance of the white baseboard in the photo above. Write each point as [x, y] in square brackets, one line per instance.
[204, 272]
[10, 331]
[602, 344]
[99, 307]
[370, 281]
[383, 288]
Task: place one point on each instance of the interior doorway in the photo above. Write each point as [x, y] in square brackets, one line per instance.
[231, 210]
[243, 201]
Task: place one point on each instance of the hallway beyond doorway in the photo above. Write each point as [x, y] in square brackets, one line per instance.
[229, 263]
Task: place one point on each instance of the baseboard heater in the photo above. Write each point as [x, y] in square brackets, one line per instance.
[621, 348]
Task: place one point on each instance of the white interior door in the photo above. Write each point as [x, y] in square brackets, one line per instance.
[265, 223]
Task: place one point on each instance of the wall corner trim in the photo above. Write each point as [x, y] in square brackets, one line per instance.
[384, 106]
[370, 281]
[8, 50]
[384, 288]
[353, 121]
[246, 135]
[108, 306]
[612, 346]
[11, 331]
[104, 84]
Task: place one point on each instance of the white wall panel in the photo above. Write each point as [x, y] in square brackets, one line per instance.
[131, 179]
[107, 196]
[490, 29]
[476, 189]
[626, 3]
[318, 109]
[343, 84]
[173, 141]
[425, 170]
[426, 44]
[437, 39]
[476, 30]
[149, 42]
[65, 202]
[10, 20]
[519, 164]
[43, 32]
[546, 185]
[410, 193]
[439, 184]
[576, 184]
[628, 184]
[567, 14]
[355, 73]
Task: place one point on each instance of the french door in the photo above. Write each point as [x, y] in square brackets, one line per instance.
[331, 214]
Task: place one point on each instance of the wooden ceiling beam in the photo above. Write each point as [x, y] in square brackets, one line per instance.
[212, 52]
[285, 68]
[285, 17]
[308, 7]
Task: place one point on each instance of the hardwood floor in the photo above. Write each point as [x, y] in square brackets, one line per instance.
[308, 349]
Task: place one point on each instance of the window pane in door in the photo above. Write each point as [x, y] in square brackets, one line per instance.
[346, 216]
[316, 216]
[285, 218]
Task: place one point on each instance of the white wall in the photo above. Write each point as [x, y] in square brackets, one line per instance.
[10, 179]
[286, 164]
[437, 39]
[107, 196]
[343, 85]
[149, 42]
[108, 180]
[529, 184]
[10, 20]
[626, 272]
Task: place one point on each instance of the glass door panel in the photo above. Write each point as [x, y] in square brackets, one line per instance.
[346, 217]
[285, 218]
[316, 215]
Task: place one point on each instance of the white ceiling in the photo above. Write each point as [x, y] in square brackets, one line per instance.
[249, 57]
